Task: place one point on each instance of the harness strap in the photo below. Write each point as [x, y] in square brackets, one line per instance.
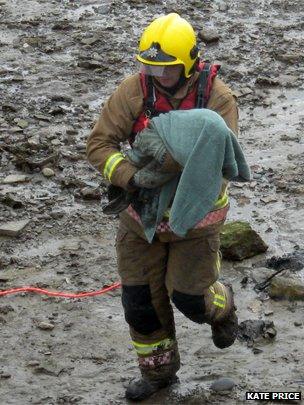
[149, 105]
[202, 97]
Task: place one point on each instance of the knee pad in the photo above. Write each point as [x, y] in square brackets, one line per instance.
[139, 311]
[192, 306]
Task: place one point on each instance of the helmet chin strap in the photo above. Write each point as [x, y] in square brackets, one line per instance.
[173, 89]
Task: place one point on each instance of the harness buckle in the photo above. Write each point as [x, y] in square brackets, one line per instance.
[148, 114]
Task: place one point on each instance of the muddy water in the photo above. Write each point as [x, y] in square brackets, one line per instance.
[59, 61]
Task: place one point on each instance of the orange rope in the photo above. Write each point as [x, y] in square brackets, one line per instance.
[60, 294]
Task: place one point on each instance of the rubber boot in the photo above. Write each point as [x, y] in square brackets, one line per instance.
[225, 330]
[141, 388]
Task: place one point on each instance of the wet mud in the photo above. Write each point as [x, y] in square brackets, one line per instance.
[59, 62]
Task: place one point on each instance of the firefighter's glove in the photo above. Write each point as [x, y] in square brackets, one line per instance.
[118, 200]
[149, 143]
[150, 176]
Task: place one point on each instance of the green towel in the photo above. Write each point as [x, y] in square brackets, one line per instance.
[200, 141]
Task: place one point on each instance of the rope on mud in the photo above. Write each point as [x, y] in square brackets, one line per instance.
[42, 291]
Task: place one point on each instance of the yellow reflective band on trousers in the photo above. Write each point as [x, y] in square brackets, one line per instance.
[111, 164]
[219, 300]
[144, 349]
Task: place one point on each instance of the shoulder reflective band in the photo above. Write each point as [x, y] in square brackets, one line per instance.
[111, 164]
[144, 349]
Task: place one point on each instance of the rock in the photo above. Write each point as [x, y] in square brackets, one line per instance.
[244, 91]
[239, 241]
[267, 81]
[269, 199]
[13, 228]
[9, 107]
[61, 98]
[56, 142]
[62, 26]
[268, 313]
[22, 124]
[10, 201]
[57, 213]
[222, 384]
[286, 288]
[5, 375]
[91, 64]
[251, 330]
[293, 57]
[291, 261]
[42, 117]
[223, 7]
[47, 172]
[34, 141]
[209, 35]
[90, 193]
[15, 178]
[48, 367]
[45, 326]
[103, 9]
[5, 309]
[90, 41]
[33, 363]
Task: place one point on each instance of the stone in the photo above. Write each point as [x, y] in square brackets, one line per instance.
[57, 213]
[5, 375]
[90, 41]
[90, 193]
[267, 81]
[34, 141]
[286, 288]
[209, 35]
[223, 7]
[46, 326]
[47, 172]
[293, 261]
[13, 228]
[293, 57]
[239, 241]
[22, 124]
[15, 178]
[91, 64]
[11, 201]
[42, 117]
[253, 330]
[269, 199]
[222, 384]
[244, 91]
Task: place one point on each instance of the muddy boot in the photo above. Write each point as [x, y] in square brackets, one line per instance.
[225, 328]
[220, 314]
[141, 388]
[224, 332]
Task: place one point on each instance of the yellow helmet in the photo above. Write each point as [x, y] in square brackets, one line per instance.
[169, 40]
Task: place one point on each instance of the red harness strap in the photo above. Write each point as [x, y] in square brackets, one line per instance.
[156, 102]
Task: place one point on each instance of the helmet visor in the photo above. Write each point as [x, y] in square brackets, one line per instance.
[151, 70]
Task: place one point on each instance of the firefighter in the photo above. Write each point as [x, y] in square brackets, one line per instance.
[171, 269]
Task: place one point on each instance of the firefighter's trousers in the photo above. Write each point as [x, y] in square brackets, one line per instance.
[171, 268]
